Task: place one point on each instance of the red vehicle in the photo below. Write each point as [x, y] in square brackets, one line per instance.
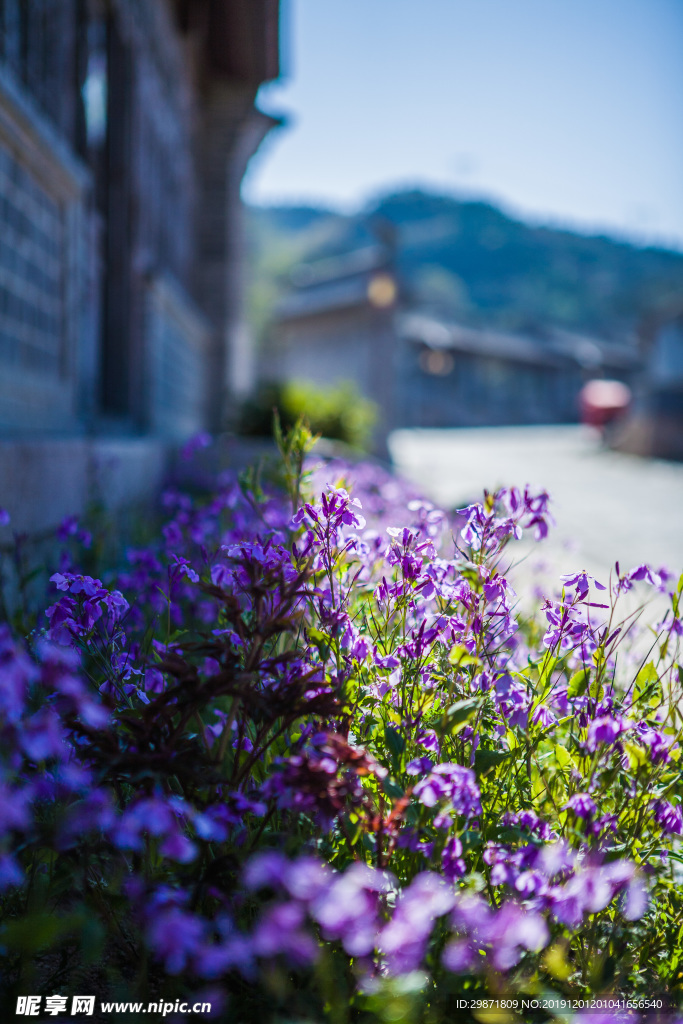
[602, 401]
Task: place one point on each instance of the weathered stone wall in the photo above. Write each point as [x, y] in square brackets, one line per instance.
[125, 130]
[177, 370]
[89, 225]
[52, 478]
[44, 256]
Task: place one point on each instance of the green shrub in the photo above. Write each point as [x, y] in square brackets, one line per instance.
[339, 412]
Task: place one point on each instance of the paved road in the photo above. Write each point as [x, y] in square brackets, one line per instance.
[607, 505]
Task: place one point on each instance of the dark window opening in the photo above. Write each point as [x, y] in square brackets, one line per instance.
[108, 128]
[107, 96]
[29, 30]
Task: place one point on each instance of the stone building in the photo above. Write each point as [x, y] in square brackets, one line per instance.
[655, 426]
[125, 130]
[338, 324]
[346, 319]
[451, 375]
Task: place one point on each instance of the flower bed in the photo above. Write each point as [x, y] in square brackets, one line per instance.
[302, 759]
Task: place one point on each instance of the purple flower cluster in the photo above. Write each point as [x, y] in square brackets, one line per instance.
[554, 879]
[453, 785]
[363, 695]
[503, 935]
[345, 905]
[485, 529]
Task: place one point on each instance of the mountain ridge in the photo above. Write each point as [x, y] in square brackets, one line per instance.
[467, 260]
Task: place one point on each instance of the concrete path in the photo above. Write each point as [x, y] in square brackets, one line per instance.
[607, 505]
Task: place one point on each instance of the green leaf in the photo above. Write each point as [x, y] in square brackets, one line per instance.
[412, 814]
[394, 740]
[555, 961]
[636, 754]
[545, 676]
[392, 788]
[460, 713]
[38, 931]
[564, 758]
[485, 760]
[578, 684]
[506, 833]
[647, 683]
[320, 640]
[353, 828]
[460, 657]
[471, 839]
[93, 935]
[538, 786]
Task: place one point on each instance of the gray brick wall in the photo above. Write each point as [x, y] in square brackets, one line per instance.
[44, 258]
[32, 266]
[96, 221]
[177, 360]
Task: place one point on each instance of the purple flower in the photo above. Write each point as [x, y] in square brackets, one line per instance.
[11, 874]
[17, 673]
[530, 822]
[233, 951]
[459, 957]
[645, 573]
[175, 937]
[15, 808]
[181, 567]
[76, 583]
[659, 744]
[505, 933]
[582, 805]
[419, 766]
[543, 716]
[336, 508]
[581, 582]
[306, 878]
[604, 730]
[387, 661]
[479, 528]
[593, 887]
[347, 908]
[281, 931]
[195, 444]
[157, 817]
[42, 736]
[669, 817]
[454, 783]
[154, 681]
[514, 930]
[452, 864]
[116, 604]
[568, 628]
[69, 528]
[266, 870]
[178, 847]
[635, 900]
[428, 739]
[404, 939]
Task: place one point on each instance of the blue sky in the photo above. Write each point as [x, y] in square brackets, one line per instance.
[564, 111]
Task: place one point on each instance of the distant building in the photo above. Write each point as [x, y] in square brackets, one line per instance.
[344, 318]
[455, 376]
[656, 424]
[125, 130]
[338, 323]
